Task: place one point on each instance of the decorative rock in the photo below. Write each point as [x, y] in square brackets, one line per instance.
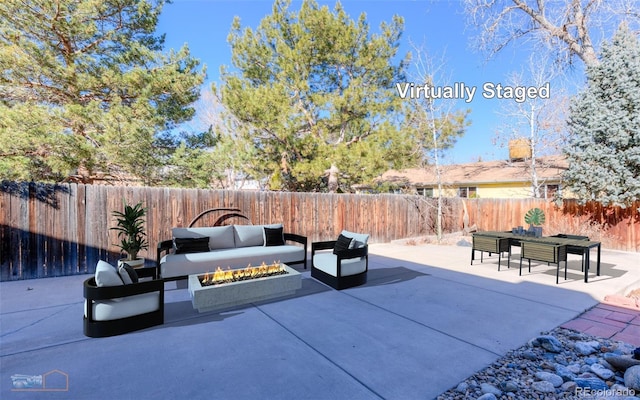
[554, 379]
[605, 364]
[564, 373]
[584, 348]
[534, 370]
[509, 386]
[561, 359]
[549, 343]
[602, 372]
[632, 378]
[543, 386]
[620, 362]
[462, 387]
[591, 383]
[574, 368]
[619, 388]
[569, 387]
[595, 344]
[591, 360]
[585, 368]
[624, 348]
[488, 388]
[547, 365]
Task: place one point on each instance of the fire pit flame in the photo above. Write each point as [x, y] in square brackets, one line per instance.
[220, 276]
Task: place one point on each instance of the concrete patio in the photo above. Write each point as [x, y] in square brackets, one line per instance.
[425, 320]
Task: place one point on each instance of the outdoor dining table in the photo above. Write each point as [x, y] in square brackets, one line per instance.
[585, 245]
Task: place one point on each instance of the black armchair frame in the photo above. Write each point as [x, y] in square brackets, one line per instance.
[92, 292]
[340, 282]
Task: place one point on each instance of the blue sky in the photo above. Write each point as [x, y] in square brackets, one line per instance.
[438, 24]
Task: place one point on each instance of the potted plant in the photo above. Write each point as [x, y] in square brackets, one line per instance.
[131, 233]
[535, 217]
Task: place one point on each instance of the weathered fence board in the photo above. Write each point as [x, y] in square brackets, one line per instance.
[52, 230]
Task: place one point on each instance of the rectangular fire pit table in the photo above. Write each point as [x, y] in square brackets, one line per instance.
[227, 295]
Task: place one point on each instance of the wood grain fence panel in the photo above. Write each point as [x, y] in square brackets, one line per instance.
[70, 250]
[65, 229]
[5, 232]
[81, 205]
[18, 234]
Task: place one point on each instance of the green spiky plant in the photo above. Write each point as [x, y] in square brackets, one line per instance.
[130, 227]
[535, 216]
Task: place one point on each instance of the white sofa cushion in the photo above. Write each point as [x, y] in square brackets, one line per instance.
[248, 235]
[172, 265]
[360, 239]
[251, 235]
[122, 307]
[107, 275]
[327, 262]
[220, 237]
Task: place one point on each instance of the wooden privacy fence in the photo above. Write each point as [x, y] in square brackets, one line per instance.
[54, 230]
[617, 228]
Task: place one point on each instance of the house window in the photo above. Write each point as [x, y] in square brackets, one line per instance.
[468, 192]
[550, 191]
[426, 192]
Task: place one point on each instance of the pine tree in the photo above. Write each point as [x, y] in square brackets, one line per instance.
[604, 123]
[85, 86]
[314, 91]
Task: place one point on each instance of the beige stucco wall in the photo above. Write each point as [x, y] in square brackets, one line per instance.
[510, 190]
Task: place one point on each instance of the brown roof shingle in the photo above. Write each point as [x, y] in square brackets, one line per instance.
[548, 168]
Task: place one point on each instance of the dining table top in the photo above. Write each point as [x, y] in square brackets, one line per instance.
[543, 239]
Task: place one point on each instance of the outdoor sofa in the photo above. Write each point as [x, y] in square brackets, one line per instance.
[203, 249]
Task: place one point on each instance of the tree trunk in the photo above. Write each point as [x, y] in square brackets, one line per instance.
[333, 178]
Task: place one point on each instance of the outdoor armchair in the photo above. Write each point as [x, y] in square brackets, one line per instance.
[346, 265]
[113, 308]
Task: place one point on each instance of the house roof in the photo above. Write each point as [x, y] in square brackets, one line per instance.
[484, 172]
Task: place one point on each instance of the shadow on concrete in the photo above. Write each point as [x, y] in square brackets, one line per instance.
[390, 276]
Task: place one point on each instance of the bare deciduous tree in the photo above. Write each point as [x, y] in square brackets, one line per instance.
[565, 28]
[436, 121]
[541, 121]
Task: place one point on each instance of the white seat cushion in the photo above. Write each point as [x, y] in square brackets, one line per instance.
[248, 235]
[172, 265]
[327, 262]
[122, 307]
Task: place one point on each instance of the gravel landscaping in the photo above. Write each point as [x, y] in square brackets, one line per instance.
[560, 364]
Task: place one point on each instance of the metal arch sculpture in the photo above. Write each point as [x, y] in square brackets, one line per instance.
[229, 213]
